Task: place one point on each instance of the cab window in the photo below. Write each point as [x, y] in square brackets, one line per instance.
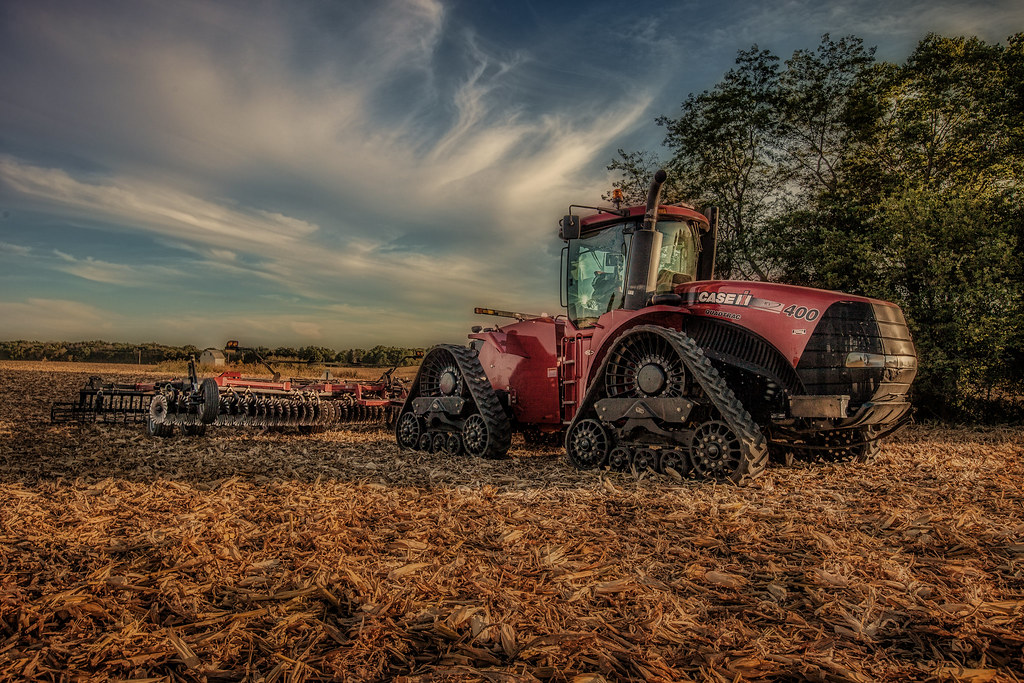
[677, 260]
[597, 265]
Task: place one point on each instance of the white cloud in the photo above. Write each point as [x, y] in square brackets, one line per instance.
[15, 249]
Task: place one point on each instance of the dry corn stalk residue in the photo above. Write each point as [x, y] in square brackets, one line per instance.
[245, 555]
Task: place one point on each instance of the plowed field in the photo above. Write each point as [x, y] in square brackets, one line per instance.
[278, 556]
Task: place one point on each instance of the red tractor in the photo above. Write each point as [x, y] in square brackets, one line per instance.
[658, 365]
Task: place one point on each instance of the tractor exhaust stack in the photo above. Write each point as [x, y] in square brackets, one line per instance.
[642, 269]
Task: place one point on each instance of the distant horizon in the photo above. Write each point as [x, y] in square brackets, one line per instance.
[312, 173]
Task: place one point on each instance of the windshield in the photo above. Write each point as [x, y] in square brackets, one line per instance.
[678, 257]
[597, 267]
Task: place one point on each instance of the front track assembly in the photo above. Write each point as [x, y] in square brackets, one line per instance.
[657, 403]
[452, 408]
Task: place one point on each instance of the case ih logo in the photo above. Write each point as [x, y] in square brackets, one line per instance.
[731, 299]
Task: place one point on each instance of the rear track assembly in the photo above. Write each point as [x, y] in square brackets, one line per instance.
[452, 408]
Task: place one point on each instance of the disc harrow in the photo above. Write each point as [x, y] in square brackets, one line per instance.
[230, 400]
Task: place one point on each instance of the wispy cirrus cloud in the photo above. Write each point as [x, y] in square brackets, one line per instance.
[158, 208]
[15, 249]
[107, 272]
[344, 171]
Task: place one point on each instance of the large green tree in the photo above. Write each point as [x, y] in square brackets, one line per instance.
[725, 152]
[899, 181]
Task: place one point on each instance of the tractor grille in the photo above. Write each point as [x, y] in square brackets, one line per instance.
[742, 348]
[859, 327]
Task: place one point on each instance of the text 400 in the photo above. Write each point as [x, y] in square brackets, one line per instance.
[802, 312]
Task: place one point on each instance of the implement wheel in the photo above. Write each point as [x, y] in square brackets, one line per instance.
[155, 425]
[211, 401]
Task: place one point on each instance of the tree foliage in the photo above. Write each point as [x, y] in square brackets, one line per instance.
[897, 181]
[95, 351]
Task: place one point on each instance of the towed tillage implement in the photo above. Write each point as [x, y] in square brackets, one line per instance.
[231, 400]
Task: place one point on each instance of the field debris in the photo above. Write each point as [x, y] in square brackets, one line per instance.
[335, 556]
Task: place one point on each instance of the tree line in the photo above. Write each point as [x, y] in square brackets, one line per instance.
[151, 353]
[377, 356]
[835, 170]
[95, 351]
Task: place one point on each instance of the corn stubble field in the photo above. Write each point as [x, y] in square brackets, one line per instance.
[279, 556]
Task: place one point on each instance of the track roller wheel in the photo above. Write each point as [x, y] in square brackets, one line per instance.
[588, 444]
[484, 438]
[474, 436]
[439, 442]
[619, 458]
[716, 451]
[674, 459]
[847, 446]
[407, 432]
[453, 444]
[425, 442]
[645, 459]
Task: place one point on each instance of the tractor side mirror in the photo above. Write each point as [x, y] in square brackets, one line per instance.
[569, 228]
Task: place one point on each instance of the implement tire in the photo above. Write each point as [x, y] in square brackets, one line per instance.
[211, 401]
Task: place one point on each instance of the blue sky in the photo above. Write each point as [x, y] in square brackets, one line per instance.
[347, 173]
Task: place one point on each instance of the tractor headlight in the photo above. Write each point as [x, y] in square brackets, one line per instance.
[858, 359]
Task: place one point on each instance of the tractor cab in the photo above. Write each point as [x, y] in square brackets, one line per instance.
[604, 248]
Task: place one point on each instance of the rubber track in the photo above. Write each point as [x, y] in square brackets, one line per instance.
[717, 391]
[485, 399]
